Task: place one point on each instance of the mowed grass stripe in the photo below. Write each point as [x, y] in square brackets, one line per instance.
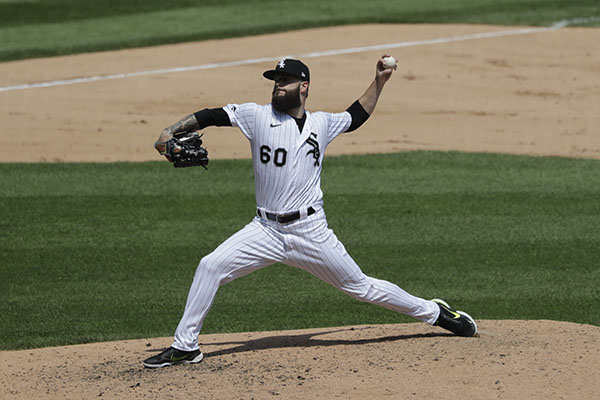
[49, 28]
[95, 252]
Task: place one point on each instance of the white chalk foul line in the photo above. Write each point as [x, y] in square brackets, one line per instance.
[449, 39]
[132, 74]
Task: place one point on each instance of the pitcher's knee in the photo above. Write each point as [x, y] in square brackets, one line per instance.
[222, 269]
[210, 266]
[362, 292]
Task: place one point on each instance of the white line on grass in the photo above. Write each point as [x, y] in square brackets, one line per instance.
[449, 39]
[575, 21]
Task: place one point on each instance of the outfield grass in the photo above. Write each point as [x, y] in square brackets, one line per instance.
[54, 27]
[94, 252]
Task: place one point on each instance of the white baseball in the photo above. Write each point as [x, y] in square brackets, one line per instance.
[389, 62]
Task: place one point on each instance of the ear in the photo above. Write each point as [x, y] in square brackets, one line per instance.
[304, 88]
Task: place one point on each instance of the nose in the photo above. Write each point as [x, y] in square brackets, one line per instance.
[278, 86]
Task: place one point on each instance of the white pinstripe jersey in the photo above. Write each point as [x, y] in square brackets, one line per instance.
[287, 162]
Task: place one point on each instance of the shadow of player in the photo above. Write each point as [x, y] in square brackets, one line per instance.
[309, 340]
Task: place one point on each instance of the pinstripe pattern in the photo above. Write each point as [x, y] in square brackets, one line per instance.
[297, 183]
[284, 184]
[251, 248]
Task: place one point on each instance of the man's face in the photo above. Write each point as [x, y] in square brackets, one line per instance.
[286, 93]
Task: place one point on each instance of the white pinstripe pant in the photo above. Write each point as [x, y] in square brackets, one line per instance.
[308, 244]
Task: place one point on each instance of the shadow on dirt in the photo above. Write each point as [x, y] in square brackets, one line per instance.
[308, 340]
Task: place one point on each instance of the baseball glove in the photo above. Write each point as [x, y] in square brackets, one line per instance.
[185, 149]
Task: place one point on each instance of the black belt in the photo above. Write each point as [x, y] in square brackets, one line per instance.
[284, 218]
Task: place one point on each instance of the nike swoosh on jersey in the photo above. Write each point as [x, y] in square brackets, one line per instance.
[275, 125]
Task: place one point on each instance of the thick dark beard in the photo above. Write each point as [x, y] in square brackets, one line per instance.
[287, 102]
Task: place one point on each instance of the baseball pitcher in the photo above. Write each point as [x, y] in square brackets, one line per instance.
[288, 144]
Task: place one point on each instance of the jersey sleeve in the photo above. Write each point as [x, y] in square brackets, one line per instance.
[243, 116]
[338, 123]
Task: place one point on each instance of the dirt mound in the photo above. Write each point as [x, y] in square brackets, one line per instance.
[510, 359]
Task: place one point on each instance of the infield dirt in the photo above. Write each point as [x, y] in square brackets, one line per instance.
[535, 93]
[525, 94]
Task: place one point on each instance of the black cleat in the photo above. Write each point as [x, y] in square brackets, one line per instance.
[458, 322]
[172, 356]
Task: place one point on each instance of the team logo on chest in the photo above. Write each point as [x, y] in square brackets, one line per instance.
[316, 152]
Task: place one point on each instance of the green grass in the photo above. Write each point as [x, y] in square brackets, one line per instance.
[95, 252]
[37, 28]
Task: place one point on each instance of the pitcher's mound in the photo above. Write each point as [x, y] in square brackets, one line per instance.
[509, 359]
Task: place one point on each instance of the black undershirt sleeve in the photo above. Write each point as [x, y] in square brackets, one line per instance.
[358, 114]
[212, 117]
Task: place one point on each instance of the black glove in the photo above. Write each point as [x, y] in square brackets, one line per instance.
[185, 149]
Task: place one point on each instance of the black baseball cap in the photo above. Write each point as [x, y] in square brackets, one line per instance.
[291, 67]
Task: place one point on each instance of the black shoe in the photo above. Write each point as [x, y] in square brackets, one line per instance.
[172, 356]
[458, 322]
